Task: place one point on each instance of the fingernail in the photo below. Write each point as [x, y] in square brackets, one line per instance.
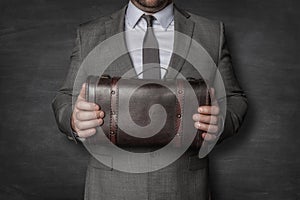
[199, 125]
[200, 109]
[195, 117]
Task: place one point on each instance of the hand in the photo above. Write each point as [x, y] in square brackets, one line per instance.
[86, 116]
[207, 119]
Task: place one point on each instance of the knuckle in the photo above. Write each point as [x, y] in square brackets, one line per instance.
[203, 118]
[79, 115]
[196, 125]
[207, 118]
[210, 137]
[92, 115]
[79, 105]
[93, 131]
[93, 106]
[90, 106]
[217, 128]
[214, 119]
[74, 115]
[79, 133]
[207, 137]
[78, 125]
[202, 126]
[96, 114]
[216, 109]
[93, 123]
[213, 129]
[82, 134]
[87, 133]
[205, 127]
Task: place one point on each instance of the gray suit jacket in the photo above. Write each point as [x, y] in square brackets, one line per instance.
[187, 178]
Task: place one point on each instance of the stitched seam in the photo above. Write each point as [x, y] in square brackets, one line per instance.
[182, 107]
[220, 41]
[80, 46]
[117, 106]
[111, 116]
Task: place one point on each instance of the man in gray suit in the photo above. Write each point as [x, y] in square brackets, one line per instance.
[187, 177]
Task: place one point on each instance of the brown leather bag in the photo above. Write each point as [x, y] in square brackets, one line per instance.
[108, 92]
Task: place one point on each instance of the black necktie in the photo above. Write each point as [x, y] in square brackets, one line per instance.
[151, 66]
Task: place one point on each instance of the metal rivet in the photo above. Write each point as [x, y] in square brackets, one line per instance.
[180, 91]
[179, 116]
[113, 92]
[112, 132]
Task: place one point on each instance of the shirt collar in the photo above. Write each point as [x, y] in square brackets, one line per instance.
[164, 16]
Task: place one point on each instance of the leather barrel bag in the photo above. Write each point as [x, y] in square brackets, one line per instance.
[111, 94]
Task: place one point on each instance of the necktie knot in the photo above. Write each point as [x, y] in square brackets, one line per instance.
[149, 19]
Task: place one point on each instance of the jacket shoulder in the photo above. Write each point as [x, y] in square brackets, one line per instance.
[94, 24]
[91, 33]
[204, 21]
[208, 33]
[207, 26]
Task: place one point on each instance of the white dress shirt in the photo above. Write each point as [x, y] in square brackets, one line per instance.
[136, 27]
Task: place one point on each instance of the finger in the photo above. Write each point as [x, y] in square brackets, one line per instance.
[86, 133]
[83, 105]
[213, 97]
[209, 119]
[208, 137]
[89, 115]
[82, 92]
[82, 125]
[206, 127]
[212, 94]
[209, 110]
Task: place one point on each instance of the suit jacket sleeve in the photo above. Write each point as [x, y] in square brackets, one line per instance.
[236, 98]
[62, 103]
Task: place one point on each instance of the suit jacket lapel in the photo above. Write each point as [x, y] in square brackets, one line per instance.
[116, 25]
[183, 25]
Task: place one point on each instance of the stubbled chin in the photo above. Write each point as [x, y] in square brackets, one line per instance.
[151, 6]
[151, 3]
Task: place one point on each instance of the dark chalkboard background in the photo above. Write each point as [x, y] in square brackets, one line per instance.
[36, 38]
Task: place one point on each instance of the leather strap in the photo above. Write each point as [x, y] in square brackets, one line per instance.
[113, 111]
[179, 111]
[207, 102]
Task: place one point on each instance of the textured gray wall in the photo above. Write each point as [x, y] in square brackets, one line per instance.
[36, 38]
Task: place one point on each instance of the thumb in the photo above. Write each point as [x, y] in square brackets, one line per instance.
[213, 96]
[82, 92]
